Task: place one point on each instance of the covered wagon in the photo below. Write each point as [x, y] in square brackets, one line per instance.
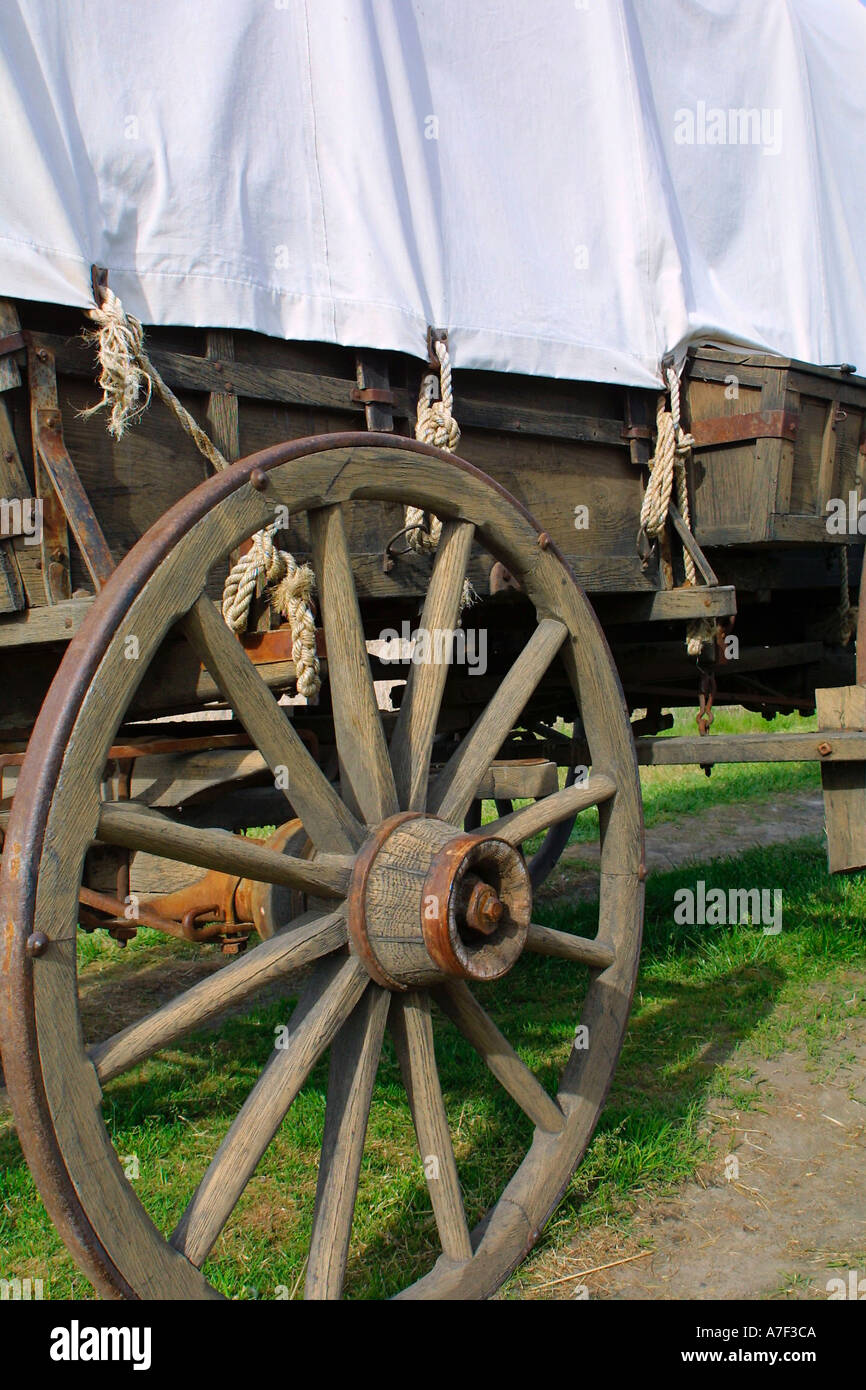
[471, 375]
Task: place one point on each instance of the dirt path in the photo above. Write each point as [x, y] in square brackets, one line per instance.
[781, 1209]
[777, 1213]
[714, 834]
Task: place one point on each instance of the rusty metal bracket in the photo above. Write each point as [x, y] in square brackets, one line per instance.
[731, 429]
[434, 336]
[373, 395]
[373, 391]
[64, 499]
[389, 555]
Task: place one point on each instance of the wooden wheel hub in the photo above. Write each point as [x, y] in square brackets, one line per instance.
[427, 903]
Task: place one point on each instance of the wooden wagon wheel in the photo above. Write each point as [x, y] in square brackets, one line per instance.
[424, 908]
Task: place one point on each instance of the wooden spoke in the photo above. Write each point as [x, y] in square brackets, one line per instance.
[332, 992]
[138, 827]
[365, 769]
[412, 1028]
[454, 788]
[412, 740]
[305, 940]
[559, 806]
[544, 941]
[354, 1060]
[459, 1003]
[328, 822]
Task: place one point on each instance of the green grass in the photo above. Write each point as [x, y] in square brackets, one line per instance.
[708, 998]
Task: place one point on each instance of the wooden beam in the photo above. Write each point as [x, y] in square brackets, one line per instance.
[843, 708]
[841, 747]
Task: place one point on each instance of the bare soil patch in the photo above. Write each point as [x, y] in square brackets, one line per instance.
[717, 833]
[778, 1211]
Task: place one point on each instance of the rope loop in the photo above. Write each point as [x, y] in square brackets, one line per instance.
[128, 379]
[434, 424]
[265, 567]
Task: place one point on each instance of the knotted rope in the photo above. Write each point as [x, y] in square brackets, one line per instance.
[126, 371]
[434, 424]
[266, 566]
[128, 379]
[668, 465]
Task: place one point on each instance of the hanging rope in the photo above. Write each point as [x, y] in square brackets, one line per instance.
[847, 614]
[668, 466]
[266, 566]
[128, 379]
[434, 424]
[126, 371]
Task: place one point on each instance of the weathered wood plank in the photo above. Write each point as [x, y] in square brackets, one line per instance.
[412, 1030]
[14, 483]
[843, 708]
[327, 820]
[222, 406]
[332, 992]
[10, 376]
[354, 1059]
[303, 941]
[140, 827]
[412, 740]
[279, 384]
[660, 751]
[459, 1003]
[365, 769]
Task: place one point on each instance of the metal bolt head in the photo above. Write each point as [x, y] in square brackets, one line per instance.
[483, 910]
[37, 944]
[824, 749]
[258, 480]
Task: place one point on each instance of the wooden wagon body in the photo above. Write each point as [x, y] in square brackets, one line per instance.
[327, 433]
[775, 442]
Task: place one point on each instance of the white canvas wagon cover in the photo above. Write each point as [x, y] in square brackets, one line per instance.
[572, 187]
